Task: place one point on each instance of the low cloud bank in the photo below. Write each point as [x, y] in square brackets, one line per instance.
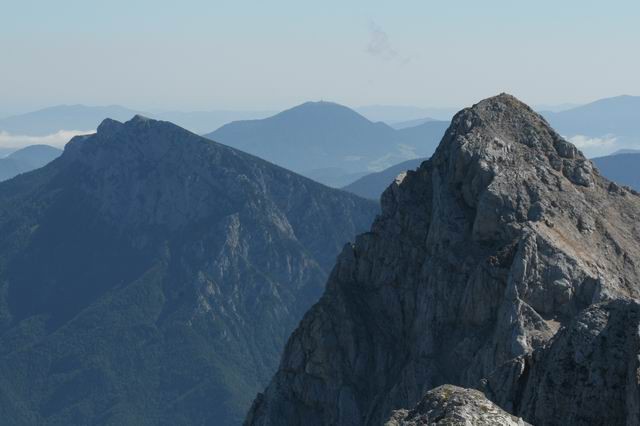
[582, 141]
[58, 139]
[596, 146]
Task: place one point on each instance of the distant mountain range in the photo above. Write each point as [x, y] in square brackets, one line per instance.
[327, 142]
[622, 168]
[316, 137]
[151, 276]
[410, 123]
[81, 117]
[394, 115]
[372, 185]
[600, 127]
[334, 177]
[201, 122]
[626, 151]
[391, 114]
[63, 117]
[330, 142]
[27, 159]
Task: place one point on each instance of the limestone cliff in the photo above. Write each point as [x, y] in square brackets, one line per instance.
[503, 238]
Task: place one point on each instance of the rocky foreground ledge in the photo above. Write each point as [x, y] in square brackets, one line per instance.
[453, 406]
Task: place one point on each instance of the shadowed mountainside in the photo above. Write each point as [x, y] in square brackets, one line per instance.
[170, 270]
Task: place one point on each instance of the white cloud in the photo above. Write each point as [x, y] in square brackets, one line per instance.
[582, 141]
[379, 44]
[58, 139]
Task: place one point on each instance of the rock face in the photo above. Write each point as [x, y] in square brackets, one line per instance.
[590, 374]
[503, 238]
[451, 405]
[152, 276]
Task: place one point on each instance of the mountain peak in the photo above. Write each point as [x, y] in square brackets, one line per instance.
[319, 104]
[322, 109]
[502, 113]
[501, 148]
[173, 232]
[139, 118]
[324, 135]
[479, 257]
[109, 125]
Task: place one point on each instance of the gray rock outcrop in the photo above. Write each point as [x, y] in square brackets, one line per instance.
[454, 406]
[590, 374]
[503, 238]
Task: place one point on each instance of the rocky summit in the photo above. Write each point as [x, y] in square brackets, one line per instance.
[151, 276]
[506, 263]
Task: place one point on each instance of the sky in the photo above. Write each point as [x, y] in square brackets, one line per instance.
[256, 55]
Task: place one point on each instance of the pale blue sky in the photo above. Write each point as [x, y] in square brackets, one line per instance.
[273, 54]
